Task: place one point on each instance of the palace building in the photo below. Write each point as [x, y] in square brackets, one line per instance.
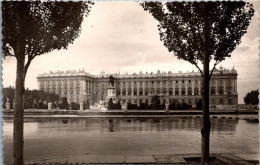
[79, 86]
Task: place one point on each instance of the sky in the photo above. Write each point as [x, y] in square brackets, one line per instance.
[122, 37]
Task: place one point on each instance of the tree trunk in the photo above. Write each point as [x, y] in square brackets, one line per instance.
[18, 143]
[205, 130]
[18, 112]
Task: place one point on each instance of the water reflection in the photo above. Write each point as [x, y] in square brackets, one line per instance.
[133, 124]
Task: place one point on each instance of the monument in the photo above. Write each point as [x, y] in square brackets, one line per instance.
[111, 94]
[7, 105]
[111, 90]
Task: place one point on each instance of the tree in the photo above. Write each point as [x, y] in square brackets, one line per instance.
[31, 97]
[199, 32]
[30, 29]
[8, 93]
[199, 105]
[64, 104]
[252, 98]
[110, 104]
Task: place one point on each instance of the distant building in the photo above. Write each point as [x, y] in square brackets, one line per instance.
[78, 86]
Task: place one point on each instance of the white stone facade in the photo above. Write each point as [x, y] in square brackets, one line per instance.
[78, 86]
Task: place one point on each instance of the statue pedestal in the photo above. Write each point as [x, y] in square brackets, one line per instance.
[7, 106]
[167, 108]
[49, 106]
[81, 106]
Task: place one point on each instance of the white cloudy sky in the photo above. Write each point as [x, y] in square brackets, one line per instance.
[121, 36]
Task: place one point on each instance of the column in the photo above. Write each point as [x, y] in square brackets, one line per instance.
[186, 87]
[155, 87]
[149, 86]
[88, 91]
[216, 86]
[92, 87]
[143, 87]
[199, 91]
[83, 86]
[167, 87]
[126, 88]
[137, 83]
[236, 86]
[62, 87]
[121, 88]
[179, 87]
[173, 87]
[192, 86]
[224, 86]
[74, 86]
[132, 92]
[161, 86]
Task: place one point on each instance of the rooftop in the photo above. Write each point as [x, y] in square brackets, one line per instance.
[140, 74]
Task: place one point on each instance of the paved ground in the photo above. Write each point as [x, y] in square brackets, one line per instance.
[228, 158]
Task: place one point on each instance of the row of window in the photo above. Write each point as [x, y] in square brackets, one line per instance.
[189, 101]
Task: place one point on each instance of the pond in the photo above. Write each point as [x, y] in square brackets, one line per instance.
[54, 137]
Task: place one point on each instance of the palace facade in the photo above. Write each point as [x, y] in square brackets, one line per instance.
[79, 86]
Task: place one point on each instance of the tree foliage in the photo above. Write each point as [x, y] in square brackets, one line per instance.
[110, 104]
[31, 98]
[30, 29]
[199, 32]
[64, 103]
[45, 25]
[252, 98]
[181, 27]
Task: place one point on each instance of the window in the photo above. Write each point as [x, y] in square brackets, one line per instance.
[182, 91]
[141, 92]
[176, 81]
[221, 90]
[221, 101]
[135, 92]
[212, 91]
[170, 91]
[189, 101]
[189, 91]
[176, 91]
[229, 101]
[196, 91]
[182, 81]
[189, 81]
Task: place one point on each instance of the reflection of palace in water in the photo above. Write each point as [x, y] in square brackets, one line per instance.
[79, 86]
[144, 124]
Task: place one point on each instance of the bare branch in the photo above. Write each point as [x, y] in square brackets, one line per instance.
[30, 58]
[216, 63]
[198, 68]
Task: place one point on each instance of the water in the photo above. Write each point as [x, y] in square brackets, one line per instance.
[54, 138]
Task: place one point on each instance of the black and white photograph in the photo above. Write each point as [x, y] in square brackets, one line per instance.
[130, 82]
